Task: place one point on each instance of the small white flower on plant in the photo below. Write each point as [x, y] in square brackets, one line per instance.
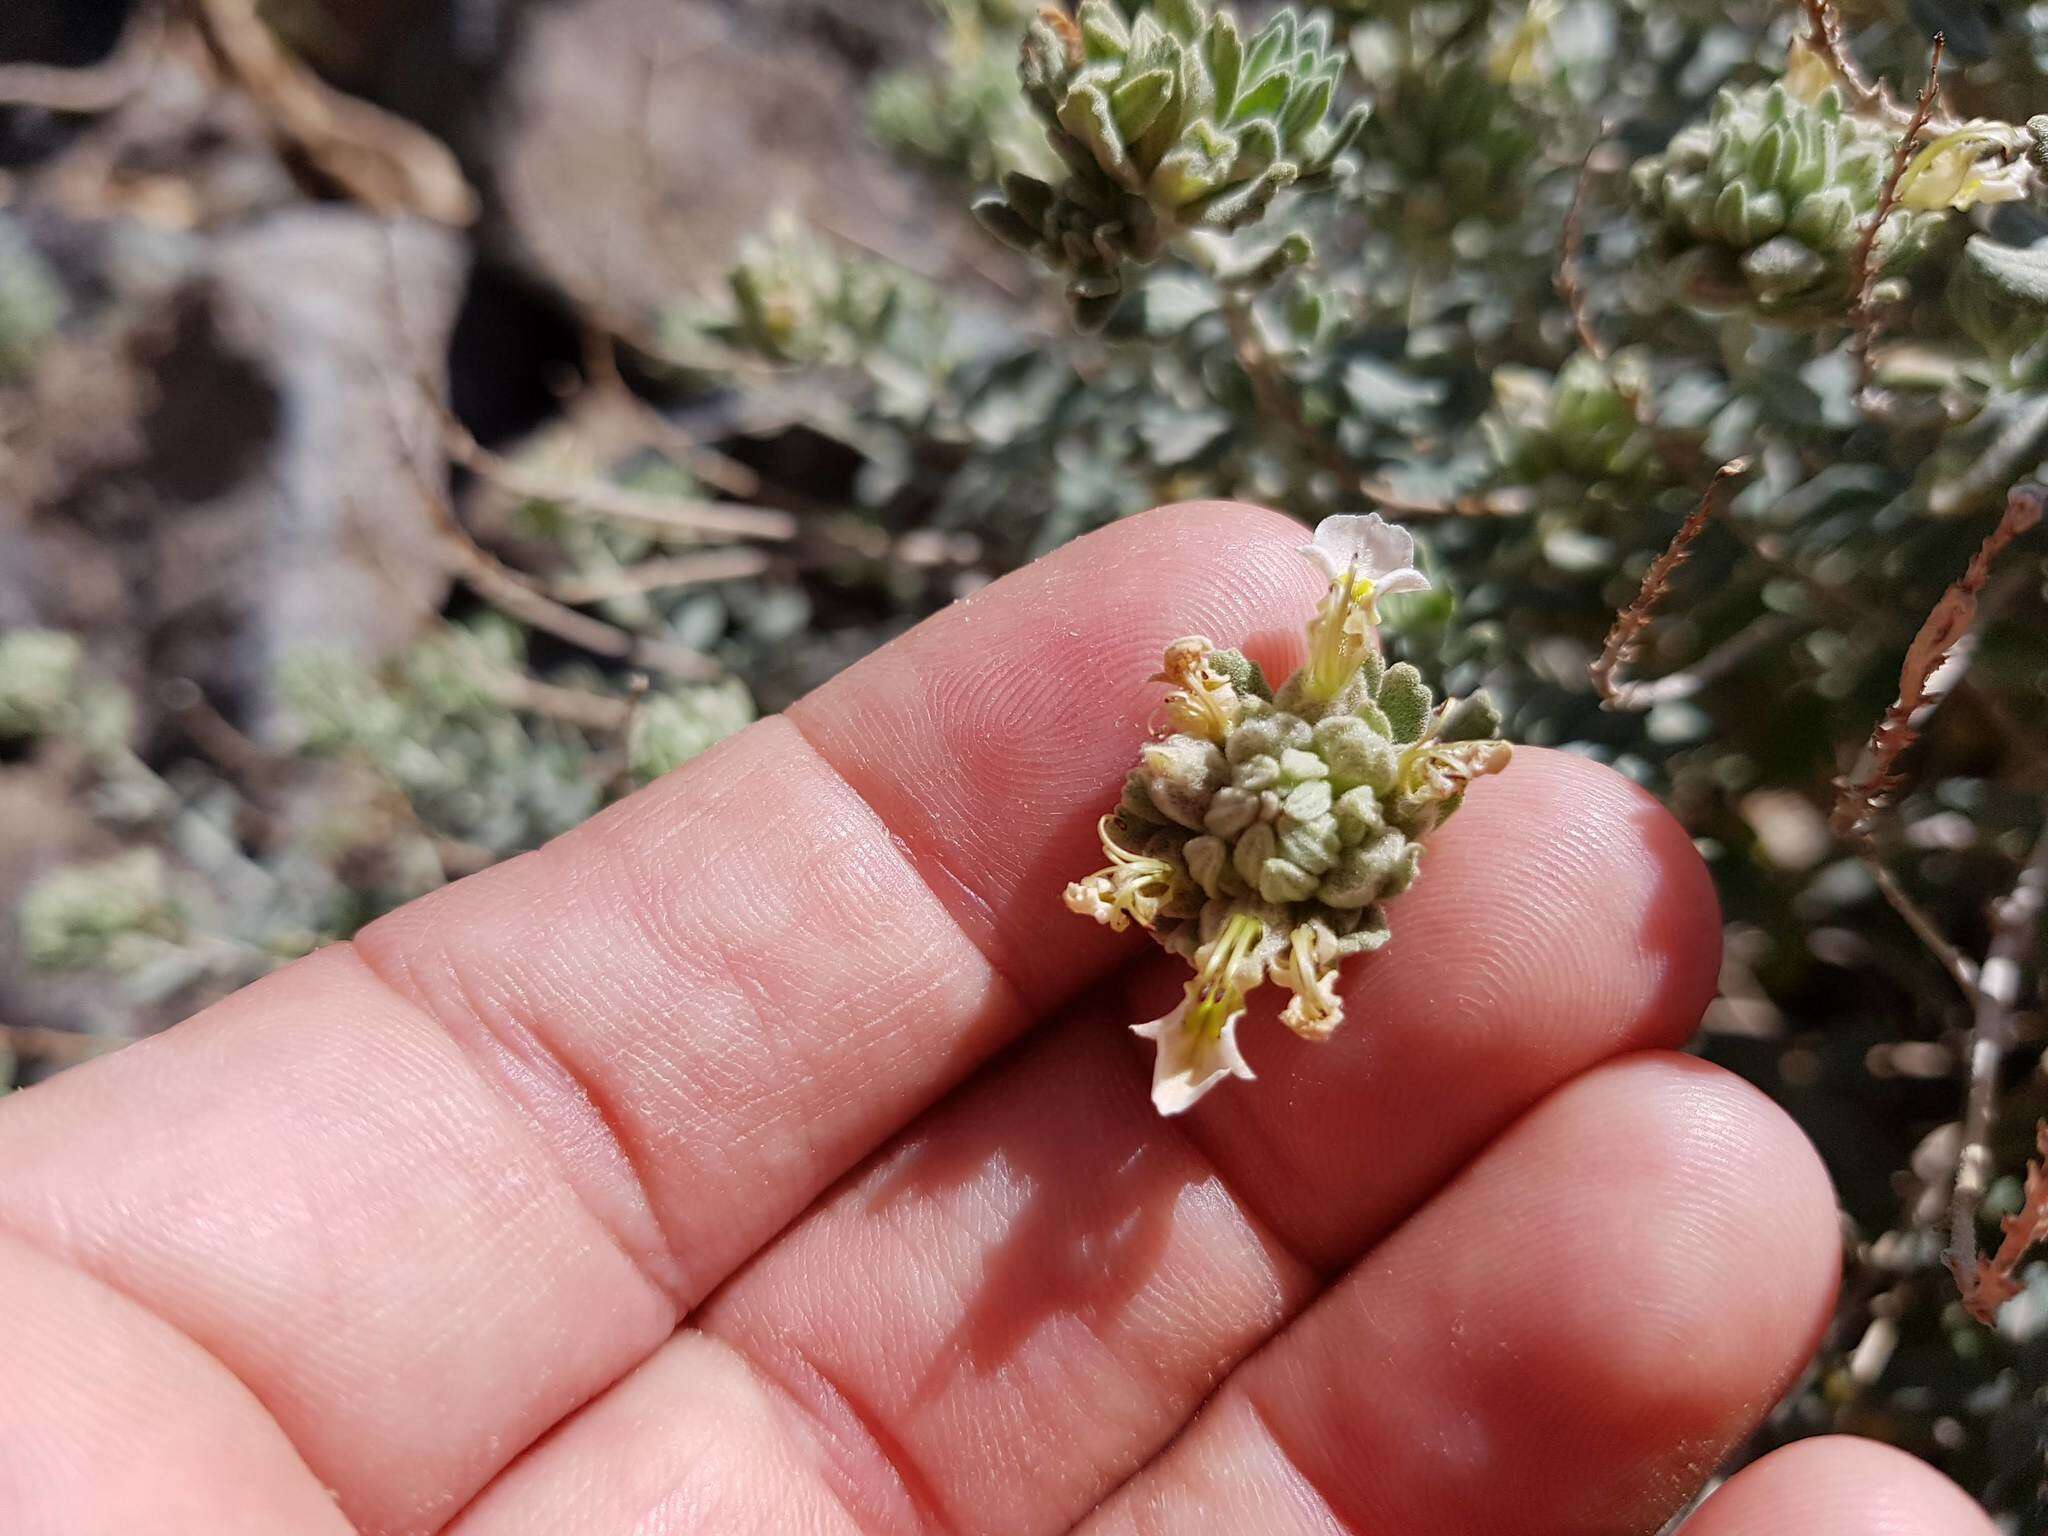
[1197, 1042]
[1377, 555]
[1961, 169]
[1366, 558]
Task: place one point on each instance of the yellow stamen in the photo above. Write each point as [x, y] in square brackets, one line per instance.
[1203, 701]
[1340, 634]
[1221, 995]
[1135, 887]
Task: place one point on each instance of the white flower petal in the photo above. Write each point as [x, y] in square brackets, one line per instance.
[1340, 542]
[1187, 1065]
[1388, 547]
[1406, 579]
[1366, 543]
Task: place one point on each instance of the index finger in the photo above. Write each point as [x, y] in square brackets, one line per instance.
[426, 1193]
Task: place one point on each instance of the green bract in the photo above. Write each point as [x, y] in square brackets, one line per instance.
[1450, 142]
[1171, 121]
[796, 299]
[1581, 431]
[1999, 296]
[1259, 838]
[1763, 205]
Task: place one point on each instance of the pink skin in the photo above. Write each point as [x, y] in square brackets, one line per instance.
[612, 1190]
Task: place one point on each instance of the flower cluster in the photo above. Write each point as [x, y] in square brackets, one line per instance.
[1766, 202]
[796, 299]
[1259, 837]
[1580, 432]
[1450, 142]
[1167, 122]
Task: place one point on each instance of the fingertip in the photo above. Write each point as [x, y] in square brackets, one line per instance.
[1719, 1220]
[1840, 1485]
[1584, 886]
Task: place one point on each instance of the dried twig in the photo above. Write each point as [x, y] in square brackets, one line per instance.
[1859, 796]
[1513, 502]
[1987, 1284]
[1276, 398]
[717, 470]
[97, 87]
[1571, 254]
[1961, 969]
[1824, 36]
[520, 596]
[663, 574]
[1863, 271]
[1765, 630]
[594, 712]
[382, 161]
[1629, 625]
[601, 498]
[2015, 925]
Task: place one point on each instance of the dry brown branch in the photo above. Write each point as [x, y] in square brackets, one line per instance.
[594, 712]
[1824, 36]
[1863, 271]
[382, 161]
[1571, 255]
[717, 470]
[97, 87]
[2015, 926]
[1766, 630]
[662, 574]
[1626, 635]
[518, 595]
[1504, 503]
[1961, 969]
[1987, 1284]
[1859, 796]
[600, 498]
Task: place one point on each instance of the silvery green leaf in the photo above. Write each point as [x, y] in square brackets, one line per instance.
[1087, 116]
[1473, 719]
[1306, 104]
[1182, 18]
[1224, 49]
[1384, 393]
[1105, 37]
[1269, 46]
[1405, 700]
[2016, 274]
[1232, 208]
[1003, 221]
[1245, 675]
[1782, 267]
[1343, 136]
[1824, 220]
[1266, 97]
[1136, 103]
[1258, 146]
[1198, 93]
[1150, 43]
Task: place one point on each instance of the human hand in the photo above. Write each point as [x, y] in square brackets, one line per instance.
[634, 1186]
